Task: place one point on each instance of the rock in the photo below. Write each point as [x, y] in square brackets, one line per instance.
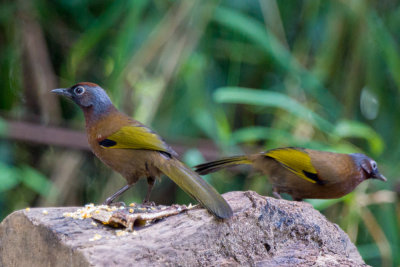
[263, 232]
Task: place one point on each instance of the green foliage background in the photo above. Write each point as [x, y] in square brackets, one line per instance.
[216, 77]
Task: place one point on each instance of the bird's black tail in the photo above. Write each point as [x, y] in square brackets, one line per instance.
[214, 166]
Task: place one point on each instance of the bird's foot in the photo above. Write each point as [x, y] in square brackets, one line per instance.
[114, 204]
[108, 201]
[148, 203]
[276, 195]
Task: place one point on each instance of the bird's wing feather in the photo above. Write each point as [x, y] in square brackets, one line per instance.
[296, 161]
[136, 137]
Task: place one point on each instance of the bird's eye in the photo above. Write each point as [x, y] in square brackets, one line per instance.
[374, 165]
[79, 90]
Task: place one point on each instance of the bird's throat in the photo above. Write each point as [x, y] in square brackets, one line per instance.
[94, 113]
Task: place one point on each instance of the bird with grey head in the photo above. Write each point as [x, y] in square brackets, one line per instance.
[136, 151]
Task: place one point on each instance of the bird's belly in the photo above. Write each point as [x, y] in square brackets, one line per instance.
[285, 181]
[130, 163]
[299, 188]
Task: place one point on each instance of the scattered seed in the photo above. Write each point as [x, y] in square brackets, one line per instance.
[120, 232]
[95, 237]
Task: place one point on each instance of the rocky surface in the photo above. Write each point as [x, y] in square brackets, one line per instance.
[263, 232]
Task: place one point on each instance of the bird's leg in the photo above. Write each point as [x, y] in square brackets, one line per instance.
[150, 182]
[276, 194]
[110, 199]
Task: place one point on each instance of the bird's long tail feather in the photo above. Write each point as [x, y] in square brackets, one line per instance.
[214, 166]
[196, 187]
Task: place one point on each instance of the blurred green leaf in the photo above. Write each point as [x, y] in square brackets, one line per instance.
[239, 95]
[8, 177]
[206, 123]
[35, 180]
[193, 157]
[93, 35]
[259, 133]
[346, 129]
[321, 204]
[369, 251]
[3, 127]
[259, 34]
[387, 44]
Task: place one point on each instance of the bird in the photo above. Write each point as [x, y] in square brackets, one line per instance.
[135, 151]
[305, 173]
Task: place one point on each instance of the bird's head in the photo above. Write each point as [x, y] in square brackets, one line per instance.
[368, 165]
[87, 95]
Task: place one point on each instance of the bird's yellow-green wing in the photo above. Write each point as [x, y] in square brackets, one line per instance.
[136, 137]
[297, 161]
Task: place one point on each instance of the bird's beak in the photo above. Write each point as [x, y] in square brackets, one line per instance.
[379, 177]
[62, 91]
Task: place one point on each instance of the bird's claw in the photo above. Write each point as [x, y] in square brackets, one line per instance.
[115, 204]
[276, 195]
[148, 203]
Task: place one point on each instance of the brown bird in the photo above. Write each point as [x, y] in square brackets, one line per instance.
[305, 173]
[135, 151]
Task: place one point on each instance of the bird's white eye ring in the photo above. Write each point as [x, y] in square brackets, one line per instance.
[373, 165]
[79, 90]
